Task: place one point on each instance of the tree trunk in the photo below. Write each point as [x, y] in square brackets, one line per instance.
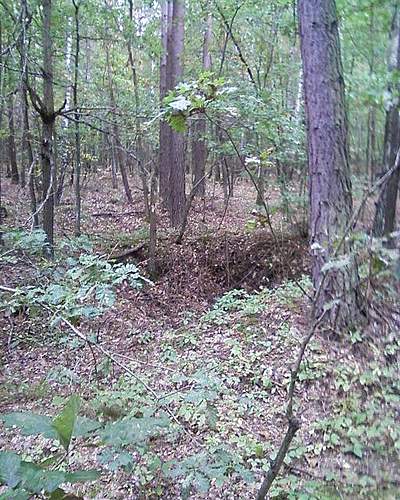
[337, 289]
[26, 136]
[11, 141]
[385, 215]
[176, 157]
[165, 130]
[77, 178]
[199, 146]
[65, 157]
[115, 131]
[48, 119]
[139, 144]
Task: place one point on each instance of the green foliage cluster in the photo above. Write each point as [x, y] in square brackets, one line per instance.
[25, 478]
[73, 287]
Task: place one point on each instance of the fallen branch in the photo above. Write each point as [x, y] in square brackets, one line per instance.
[132, 252]
[117, 214]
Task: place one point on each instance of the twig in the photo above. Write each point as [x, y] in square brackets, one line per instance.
[143, 362]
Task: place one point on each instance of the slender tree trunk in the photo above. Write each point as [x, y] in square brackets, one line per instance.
[139, 142]
[199, 146]
[12, 153]
[115, 131]
[385, 215]
[329, 172]
[65, 159]
[176, 157]
[48, 120]
[77, 179]
[165, 130]
[26, 136]
[261, 185]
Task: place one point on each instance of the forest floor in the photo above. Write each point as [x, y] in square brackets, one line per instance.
[203, 359]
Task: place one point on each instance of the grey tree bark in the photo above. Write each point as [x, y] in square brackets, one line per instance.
[26, 135]
[329, 173]
[165, 130]
[77, 177]
[139, 143]
[385, 215]
[48, 120]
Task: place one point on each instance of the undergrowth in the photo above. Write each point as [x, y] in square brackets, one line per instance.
[214, 416]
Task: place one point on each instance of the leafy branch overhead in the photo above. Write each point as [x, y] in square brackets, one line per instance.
[188, 99]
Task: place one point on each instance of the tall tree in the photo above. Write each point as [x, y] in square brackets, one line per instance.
[165, 130]
[77, 177]
[138, 131]
[385, 215]
[11, 141]
[172, 157]
[115, 139]
[199, 146]
[26, 135]
[329, 173]
[45, 108]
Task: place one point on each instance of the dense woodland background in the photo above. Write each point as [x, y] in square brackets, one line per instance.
[199, 248]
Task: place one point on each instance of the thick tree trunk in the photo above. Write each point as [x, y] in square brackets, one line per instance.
[12, 153]
[385, 215]
[337, 289]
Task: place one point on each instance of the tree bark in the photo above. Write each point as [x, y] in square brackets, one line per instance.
[385, 215]
[139, 143]
[12, 153]
[77, 177]
[165, 130]
[115, 131]
[48, 120]
[176, 157]
[26, 136]
[199, 146]
[329, 174]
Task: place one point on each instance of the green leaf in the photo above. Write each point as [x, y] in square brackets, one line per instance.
[36, 479]
[18, 494]
[64, 423]
[82, 476]
[10, 464]
[85, 426]
[30, 424]
[178, 122]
